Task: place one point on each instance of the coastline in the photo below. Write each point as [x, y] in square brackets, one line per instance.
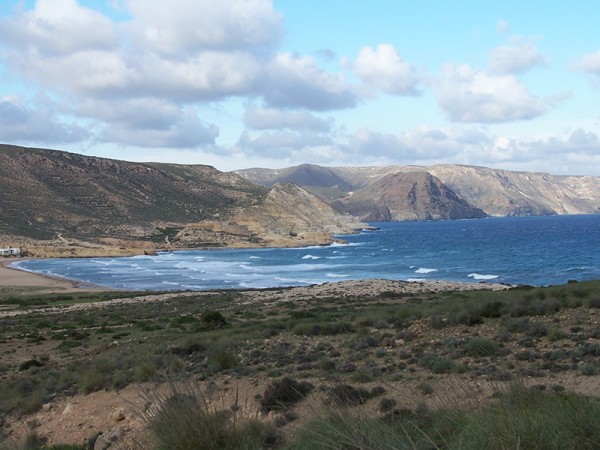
[18, 279]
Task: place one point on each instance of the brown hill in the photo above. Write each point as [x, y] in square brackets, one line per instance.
[408, 196]
[48, 194]
[497, 192]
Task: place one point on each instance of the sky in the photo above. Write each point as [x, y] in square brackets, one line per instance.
[257, 83]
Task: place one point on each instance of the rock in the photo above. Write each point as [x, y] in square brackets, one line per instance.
[108, 438]
[68, 409]
[118, 414]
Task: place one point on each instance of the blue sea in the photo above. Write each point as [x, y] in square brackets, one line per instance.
[522, 250]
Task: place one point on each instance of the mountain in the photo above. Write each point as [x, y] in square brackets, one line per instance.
[408, 196]
[495, 192]
[69, 198]
[506, 193]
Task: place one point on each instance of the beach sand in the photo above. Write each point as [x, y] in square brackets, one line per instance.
[18, 280]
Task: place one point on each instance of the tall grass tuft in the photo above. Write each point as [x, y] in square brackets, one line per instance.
[520, 418]
[527, 418]
[182, 419]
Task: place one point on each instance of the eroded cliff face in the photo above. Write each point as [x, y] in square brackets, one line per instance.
[408, 196]
[375, 196]
[506, 193]
[292, 215]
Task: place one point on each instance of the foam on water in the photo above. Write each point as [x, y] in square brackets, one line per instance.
[311, 257]
[424, 270]
[517, 254]
[478, 276]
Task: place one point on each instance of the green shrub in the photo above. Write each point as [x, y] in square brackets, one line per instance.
[222, 359]
[213, 320]
[594, 302]
[283, 393]
[479, 346]
[347, 395]
[437, 364]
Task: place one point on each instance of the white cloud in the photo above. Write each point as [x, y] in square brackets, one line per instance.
[142, 113]
[270, 118]
[178, 27]
[297, 81]
[278, 144]
[59, 27]
[516, 57]
[471, 95]
[383, 68]
[206, 76]
[186, 132]
[22, 123]
[590, 62]
[422, 145]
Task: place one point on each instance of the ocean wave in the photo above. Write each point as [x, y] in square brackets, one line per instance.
[255, 257]
[103, 262]
[415, 280]
[336, 275]
[478, 276]
[425, 270]
[311, 257]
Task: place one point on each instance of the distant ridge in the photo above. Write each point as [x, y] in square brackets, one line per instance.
[496, 192]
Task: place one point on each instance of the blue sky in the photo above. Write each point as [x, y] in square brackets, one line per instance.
[238, 84]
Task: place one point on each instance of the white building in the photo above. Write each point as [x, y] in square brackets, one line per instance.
[10, 251]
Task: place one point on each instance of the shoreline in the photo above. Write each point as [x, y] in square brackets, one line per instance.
[19, 279]
[12, 278]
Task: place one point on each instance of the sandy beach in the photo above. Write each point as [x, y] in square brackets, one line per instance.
[14, 279]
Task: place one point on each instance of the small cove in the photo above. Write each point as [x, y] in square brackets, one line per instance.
[525, 250]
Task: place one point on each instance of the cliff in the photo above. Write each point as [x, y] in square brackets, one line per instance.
[408, 196]
[373, 190]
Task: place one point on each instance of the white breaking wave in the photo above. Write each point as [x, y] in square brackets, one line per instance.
[311, 257]
[478, 276]
[336, 275]
[425, 270]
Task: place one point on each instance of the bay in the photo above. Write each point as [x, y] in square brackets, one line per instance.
[522, 250]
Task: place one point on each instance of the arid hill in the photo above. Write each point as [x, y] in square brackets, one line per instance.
[68, 198]
[495, 192]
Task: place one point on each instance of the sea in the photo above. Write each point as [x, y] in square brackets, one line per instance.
[535, 251]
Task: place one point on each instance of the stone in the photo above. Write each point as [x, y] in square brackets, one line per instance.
[108, 438]
[68, 409]
[118, 414]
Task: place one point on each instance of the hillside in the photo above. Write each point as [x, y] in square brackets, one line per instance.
[386, 357]
[408, 196]
[496, 192]
[70, 198]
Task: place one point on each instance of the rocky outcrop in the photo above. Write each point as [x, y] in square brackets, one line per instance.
[292, 214]
[408, 196]
[506, 193]
[65, 204]
[494, 191]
